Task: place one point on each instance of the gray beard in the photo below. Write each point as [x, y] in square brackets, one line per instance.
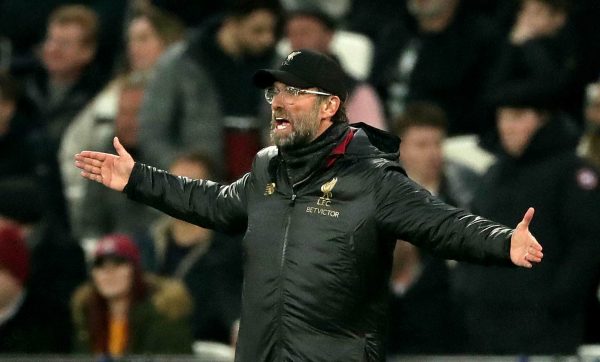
[305, 130]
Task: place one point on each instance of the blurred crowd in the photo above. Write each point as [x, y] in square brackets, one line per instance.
[515, 83]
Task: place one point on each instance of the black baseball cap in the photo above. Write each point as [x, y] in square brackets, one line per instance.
[306, 69]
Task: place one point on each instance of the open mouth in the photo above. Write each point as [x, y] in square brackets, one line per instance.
[281, 123]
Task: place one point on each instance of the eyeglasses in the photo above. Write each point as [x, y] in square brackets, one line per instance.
[289, 93]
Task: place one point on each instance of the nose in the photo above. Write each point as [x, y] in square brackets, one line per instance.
[278, 101]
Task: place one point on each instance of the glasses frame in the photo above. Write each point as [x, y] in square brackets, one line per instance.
[291, 92]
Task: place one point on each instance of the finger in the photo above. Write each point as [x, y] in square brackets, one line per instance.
[535, 247]
[532, 257]
[535, 253]
[80, 163]
[527, 218]
[91, 155]
[87, 175]
[119, 147]
[90, 168]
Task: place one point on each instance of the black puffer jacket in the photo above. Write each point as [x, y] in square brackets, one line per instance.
[318, 253]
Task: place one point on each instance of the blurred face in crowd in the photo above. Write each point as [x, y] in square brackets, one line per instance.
[7, 110]
[542, 18]
[421, 153]
[113, 277]
[297, 120]
[592, 107]
[516, 127]
[10, 287]
[65, 53]
[428, 8]
[189, 169]
[255, 32]
[144, 46]
[307, 32]
[126, 121]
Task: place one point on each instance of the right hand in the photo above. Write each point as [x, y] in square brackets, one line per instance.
[112, 171]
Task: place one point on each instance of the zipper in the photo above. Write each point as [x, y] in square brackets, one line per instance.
[281, 268]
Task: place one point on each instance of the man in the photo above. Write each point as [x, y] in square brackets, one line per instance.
[322, 210]
[101, 212]
[539, 59]
[439, 51]
[420, 283]
[67, 80]
[536, 165]
[195, 102]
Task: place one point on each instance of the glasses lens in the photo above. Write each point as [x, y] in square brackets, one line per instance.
[270, 94]
[292, 91]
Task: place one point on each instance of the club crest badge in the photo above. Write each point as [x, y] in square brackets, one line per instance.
[270, 189]
[327, 194]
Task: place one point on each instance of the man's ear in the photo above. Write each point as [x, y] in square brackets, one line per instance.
[330, 106]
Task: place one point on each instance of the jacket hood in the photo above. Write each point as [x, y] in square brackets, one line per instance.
[371, 142]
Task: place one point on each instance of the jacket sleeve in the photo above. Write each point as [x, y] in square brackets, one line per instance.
[201, 202]
[410, 213]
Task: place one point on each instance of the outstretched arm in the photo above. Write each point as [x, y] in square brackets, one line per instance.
[112, 171]
[524, 248]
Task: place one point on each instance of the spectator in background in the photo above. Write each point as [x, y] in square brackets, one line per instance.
[57, 264]
[539, 59]
[423, 128]
[193, 13]
[439, 52]
[16, 153]
[537, 165]
[312, 28]
[420, 284]
[589, 147]
[67, 79]
[195, 100]
[120, 311]
[150, 32]
[29, 322]
[101, 211]
[207, 261]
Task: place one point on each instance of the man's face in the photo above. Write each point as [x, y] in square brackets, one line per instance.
[516, 127]
[126, 121]
[306, 32]
[421, 152]
[256, 31]
[296, 120]
[64, 50]
[144, 46]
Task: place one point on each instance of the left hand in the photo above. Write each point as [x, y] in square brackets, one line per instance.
[524, 248]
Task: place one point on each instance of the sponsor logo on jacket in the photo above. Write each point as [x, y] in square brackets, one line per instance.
[325, 201]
